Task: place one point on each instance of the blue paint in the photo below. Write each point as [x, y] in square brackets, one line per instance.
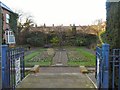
[105, 67]
[102, 59]
[9, 56]
[5, 70]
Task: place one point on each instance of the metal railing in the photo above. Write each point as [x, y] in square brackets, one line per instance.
[102, 64]
[114, 60]
[12, 66]
[108, 68]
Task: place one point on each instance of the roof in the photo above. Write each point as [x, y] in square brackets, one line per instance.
[5, 7]
[113, 0]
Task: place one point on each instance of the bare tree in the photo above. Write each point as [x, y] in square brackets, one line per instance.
[98, 28]
[25, 22]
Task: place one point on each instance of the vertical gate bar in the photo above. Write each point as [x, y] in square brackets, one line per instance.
[13, 54]
[5, 82]
[113, 67]
[97, 68]
[20, 62]
[98, 57]
[1, 25]
[12, 75]
[96, 65]
[119, 70]
[105, 67]
[10, 68]
[23, 63]
[15, 58]
[101, 67]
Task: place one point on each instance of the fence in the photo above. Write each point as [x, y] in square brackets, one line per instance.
[108, 67]
[114, 69]
[0, 70]
[12, 66]
[102, 66]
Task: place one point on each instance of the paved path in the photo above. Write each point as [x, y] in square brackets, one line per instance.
[59, 70]
[60, 58]
[92, 77]
[56, 80]
[57, 77]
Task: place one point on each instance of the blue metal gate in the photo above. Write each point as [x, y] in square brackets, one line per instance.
[12, 66]
[108, 67]
[115, 69]
[102, 73]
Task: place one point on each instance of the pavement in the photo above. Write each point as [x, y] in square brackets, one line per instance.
[92, 77]
[59, 69]
[56, 80]
[60, 58]
[59, 75]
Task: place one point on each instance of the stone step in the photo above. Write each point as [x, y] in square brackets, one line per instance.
[83, 69]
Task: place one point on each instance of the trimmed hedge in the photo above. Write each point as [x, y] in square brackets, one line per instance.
[113, 24]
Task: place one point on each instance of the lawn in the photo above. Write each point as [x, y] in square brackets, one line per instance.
[80, 56]
[38, 57]
[41, 63]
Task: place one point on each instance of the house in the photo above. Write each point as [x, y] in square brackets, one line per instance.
[7, 29]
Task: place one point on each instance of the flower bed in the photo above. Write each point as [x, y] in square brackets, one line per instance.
[80, 57]
[44, 58]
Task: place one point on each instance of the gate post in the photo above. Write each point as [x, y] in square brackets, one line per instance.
[5, 68]
[105, 67]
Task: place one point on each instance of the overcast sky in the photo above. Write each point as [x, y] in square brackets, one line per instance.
[79, 12]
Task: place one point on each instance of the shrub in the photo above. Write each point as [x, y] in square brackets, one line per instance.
[85, 40]
[35, 38]
[113, 24]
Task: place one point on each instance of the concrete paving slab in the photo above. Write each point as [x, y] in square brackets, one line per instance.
[59, 69]
[60, 58]
[56, 80]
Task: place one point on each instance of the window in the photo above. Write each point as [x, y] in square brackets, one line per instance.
[7, 18]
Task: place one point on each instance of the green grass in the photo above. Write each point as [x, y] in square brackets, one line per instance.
[30, 56]
[87, 58]
[45, 62]
[85, 53]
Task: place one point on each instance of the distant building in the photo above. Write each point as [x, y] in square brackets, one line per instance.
[6, 15]
[8, 35]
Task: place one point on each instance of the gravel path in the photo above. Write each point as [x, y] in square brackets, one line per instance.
[60, 58]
